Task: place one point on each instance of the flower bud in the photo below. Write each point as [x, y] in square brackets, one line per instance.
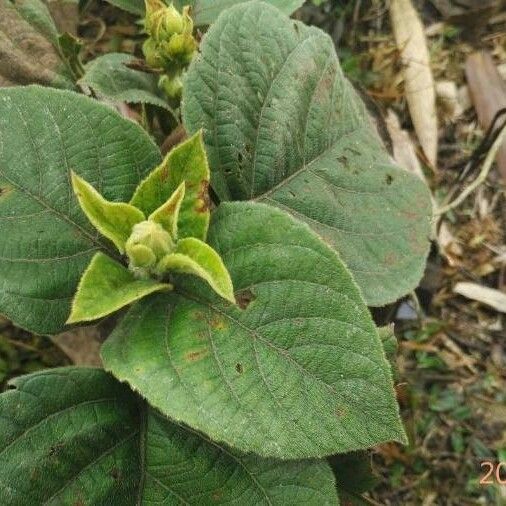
[162, 21]
[152, 54]
[171, 86]
[180, 48]
[146, 246]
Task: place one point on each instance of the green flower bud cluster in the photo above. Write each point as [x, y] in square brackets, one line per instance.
[170, 45]
[148, 243]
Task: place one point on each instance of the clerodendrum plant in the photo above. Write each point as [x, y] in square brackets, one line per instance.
[248, 351]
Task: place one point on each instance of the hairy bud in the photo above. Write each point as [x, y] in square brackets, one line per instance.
[146, 246]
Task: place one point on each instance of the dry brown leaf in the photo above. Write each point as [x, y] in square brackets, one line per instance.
[29, 46]
[81, 345]
[419, 82]
[488, 296]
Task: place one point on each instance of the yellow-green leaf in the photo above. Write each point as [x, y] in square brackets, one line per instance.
[113, 220]
[195, 257]
[185, 163]
[167, 215]
[107, 286]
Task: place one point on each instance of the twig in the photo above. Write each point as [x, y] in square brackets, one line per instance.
[482, 176]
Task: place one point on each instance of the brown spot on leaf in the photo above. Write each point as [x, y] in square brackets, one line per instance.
[204, 202]
[55, 450]
[115, 474]
[239, 368]
[217, 495]
[389, 179]
[390, 258]
[340, 411]
[199, 315]
[410, 215]
[244, 298]
[417, 241]
[194, 356]
[5, 190]
[218, 322]
[164, 173]
[343, 160]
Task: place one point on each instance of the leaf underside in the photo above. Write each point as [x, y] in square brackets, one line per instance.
[44, 134]
[109, 77]
[288, 129]
[77, 436]
[299, 372]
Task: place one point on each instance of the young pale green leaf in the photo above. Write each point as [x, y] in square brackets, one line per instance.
[108, 76]
[77, 436]
[296, 371]
[288, 129]
[46, 241]
[167, 215]
[107, 286]
[113, 220]
[193, 256]
[185, 163]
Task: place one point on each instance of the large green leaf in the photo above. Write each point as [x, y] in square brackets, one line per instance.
[108, 76]
[283, 126]
[205, 12]
[299, 372]
[47, 241]
[77, 436]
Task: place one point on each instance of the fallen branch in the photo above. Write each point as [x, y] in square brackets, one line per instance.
[482, 176]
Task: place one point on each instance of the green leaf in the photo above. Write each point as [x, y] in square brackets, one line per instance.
[70, 48]
[298, 372]
[76, 435]
[187, 163]
[47, 242]
[107, 286]
[30, 48]
[132, 6]
[193, 256]
[167, 215]
[109, 77]
[354, 476]
[113, 220]
[206, 12]
[288, 129]
[390, 345]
